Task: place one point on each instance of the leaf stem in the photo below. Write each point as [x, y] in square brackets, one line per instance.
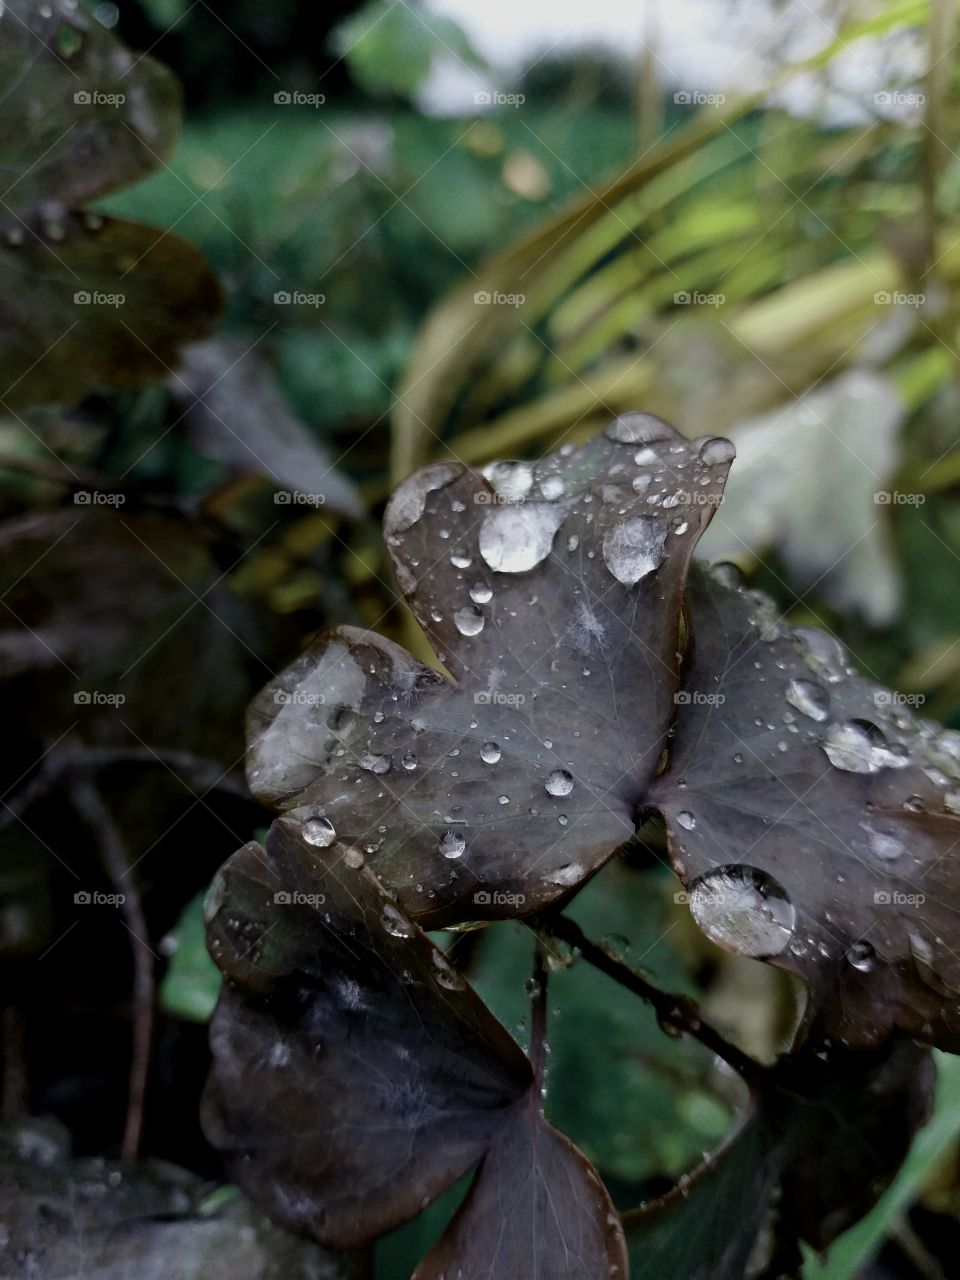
[677, 1012]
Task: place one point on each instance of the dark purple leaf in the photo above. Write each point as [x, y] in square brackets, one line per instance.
[552, 596]
[815, 821]
[357, 1075]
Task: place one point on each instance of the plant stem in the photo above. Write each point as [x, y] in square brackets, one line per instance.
[89, 804]
[678, 1012]
[538, 1015]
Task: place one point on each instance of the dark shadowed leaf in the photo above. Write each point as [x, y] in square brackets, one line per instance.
[815, 820]
[822, 1140]
[235, 413]
[552, 595]
[356, 1075]
[107, 1220]
[107, 301]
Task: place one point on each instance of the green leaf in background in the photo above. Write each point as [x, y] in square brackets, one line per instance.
[391, 47]
[192, 982]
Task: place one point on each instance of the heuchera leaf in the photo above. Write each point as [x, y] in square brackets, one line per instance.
[552, 594]
[357, 1076]
[108, 301]
[814, 819]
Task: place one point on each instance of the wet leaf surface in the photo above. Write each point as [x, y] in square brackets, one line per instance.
[357, 1075]
[814, 819]
[108, 1220]
[552, 595]
[107, 301]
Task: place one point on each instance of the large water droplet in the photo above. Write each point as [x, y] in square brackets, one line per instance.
[552, 487]
[743, 910]
[319, 832]
[452, 844]
[823, 652]
[469, 621]
[686, 820]
[634, 548]
[559, 783]
[490, 752]
[717, 450]
[409, 761]
[639, 428]
[809, 698]
[861, 955]
[512, 480]
[515, 539]
[395, 923]
[858, 746]
[480, 593]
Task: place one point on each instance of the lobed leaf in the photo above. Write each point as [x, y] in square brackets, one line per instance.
[552, 595]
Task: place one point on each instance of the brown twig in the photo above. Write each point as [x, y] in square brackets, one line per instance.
[677, 1012]
[89, 804]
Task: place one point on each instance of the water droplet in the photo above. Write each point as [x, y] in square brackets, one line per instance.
[409, 761]
[490, 752]
[503, 799]
[354, 859]
[395, 923]
[515, 539]
[639, 428]
[375, 764]
[452, 844]
[883, 844]
[823, 652]
[634, 548]
[319, 832]
[809, 698]
[553, 487]
[559, 783]
[717, 450]
[445, 974]
[861, 955]
[408, 503]
[686, 820]
[469, 620]
[480, 593]
[858, 746]
[571, 873]
[743, 910]
[512, 480]
[460, 560]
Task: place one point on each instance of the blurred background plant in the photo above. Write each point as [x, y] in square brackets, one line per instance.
[448, 231]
